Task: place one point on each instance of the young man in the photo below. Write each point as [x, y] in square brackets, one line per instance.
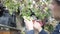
[55, 7]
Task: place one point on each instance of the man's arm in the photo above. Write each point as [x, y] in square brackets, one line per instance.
[30, 32]
[43, 32]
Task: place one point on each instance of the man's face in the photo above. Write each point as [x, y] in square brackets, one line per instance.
[55, 10]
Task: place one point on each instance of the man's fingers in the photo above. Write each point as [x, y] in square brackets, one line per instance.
[37, 24]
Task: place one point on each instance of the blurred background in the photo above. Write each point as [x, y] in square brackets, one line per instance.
[38, 9]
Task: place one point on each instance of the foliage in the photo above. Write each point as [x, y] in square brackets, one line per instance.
[41, 11]
[26, 12]
[49, 27]
[11, 5]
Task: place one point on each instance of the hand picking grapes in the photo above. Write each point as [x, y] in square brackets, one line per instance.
[55, 8]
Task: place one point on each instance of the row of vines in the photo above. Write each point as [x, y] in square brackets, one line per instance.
[39, 7]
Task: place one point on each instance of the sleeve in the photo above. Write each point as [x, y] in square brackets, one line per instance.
[30, 32]
[43, 32]
[55, 32]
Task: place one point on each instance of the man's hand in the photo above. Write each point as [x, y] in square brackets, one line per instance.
[28, 23]
[37, 26]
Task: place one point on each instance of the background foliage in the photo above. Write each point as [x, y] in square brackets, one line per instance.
[11, 5]
[39, 7]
